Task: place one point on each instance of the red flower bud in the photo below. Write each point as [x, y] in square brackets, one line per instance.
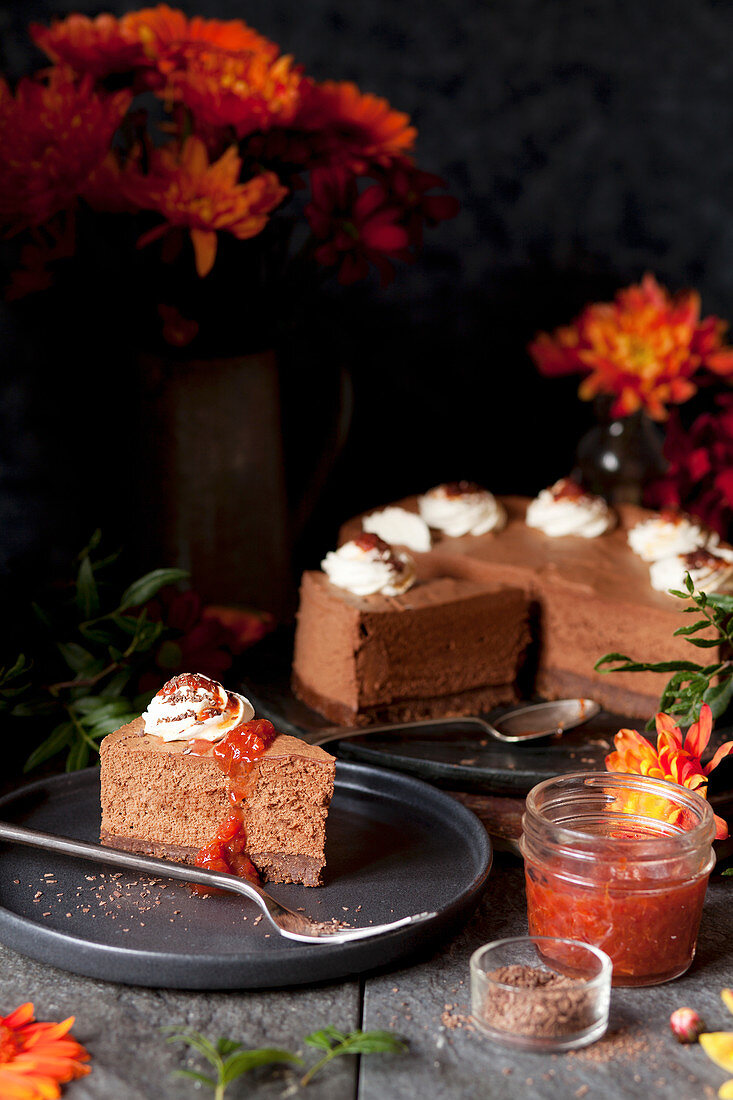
[686, 1025]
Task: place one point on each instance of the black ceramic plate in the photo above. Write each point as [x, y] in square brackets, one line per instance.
[395, 847]
[461, 760]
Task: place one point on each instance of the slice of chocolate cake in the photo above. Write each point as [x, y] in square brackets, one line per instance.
[215, 788]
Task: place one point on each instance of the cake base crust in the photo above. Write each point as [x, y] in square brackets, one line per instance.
[272, 866]
[407, 710]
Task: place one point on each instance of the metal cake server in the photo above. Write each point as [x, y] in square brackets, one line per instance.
[294, 926]
[526, 723]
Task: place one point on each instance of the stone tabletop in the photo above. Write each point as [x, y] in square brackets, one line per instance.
[426, 1002]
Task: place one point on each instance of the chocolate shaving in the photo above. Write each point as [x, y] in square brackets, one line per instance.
[541, 1003]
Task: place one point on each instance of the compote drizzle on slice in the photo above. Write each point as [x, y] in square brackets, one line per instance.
[236, 755]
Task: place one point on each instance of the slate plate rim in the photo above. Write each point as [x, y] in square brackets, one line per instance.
[293, 964]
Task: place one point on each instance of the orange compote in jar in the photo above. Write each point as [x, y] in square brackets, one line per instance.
[621, 862]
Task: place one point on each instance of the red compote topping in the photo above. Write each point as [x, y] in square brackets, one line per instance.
[236, 755]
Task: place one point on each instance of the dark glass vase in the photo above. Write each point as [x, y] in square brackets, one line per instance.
[619, 456]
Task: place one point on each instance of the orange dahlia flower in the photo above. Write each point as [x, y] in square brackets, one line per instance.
[675, 758]
[53, 134]
[36, 1058]
[646, 348]
[96, 46]
[205, 198]
[353, 128]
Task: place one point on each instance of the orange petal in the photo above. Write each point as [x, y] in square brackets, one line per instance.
[726, 996]
[720, 753]
[698, 734]
[204, 245]
[23, 1014]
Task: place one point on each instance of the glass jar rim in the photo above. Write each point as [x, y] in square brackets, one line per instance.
[576, 838]
[603, 977]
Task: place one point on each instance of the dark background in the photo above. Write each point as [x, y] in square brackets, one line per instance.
[587, 142]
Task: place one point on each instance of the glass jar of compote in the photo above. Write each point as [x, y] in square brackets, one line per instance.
[621, 862]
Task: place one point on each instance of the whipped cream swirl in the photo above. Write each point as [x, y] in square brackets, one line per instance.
[710, 570]
[399, 527]
[193, 706]
[462, 508]
[367, 566]
[669, 534]
[567, 509]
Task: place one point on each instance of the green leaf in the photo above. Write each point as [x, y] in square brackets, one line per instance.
[192, 1076]
[325, 1038]
[199, 1043]
[719, 696]
[246, 1060]
[227, 1046]
[54, 743]
[87, 596]
[376, 1042]
[336, 1043]
[721, 601]
[78, 757]
[146, 587]
[99, 634]
[701, 624]
[77, 657]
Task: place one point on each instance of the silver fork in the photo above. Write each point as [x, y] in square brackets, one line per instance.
[294, 926]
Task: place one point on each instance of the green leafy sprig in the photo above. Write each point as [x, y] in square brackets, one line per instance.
[91, 643]
[691, 684]
[227, 1058]
[335, 1043]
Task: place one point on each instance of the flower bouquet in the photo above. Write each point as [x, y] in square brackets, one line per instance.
[200, 140]
[641, 355]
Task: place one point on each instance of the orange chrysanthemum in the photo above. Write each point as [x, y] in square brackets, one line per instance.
[96, 46]
[205, 198]
[647, 349]
[353, 128]
[247, 92]
[166, 34]
[675, 758]
[53, 134]
[35, 1058]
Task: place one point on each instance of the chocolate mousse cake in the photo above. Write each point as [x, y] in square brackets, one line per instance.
[211, 786]
[446, 646]
[589, 592]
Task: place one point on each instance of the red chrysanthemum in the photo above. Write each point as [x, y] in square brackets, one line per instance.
[357, 228]
[676, 758]
[647, 349]
[53, 134]
[699, 477]
[96, 46]
[35, 1058]
[351, 128]
[55, 241]
[204, 198]
[410, 188]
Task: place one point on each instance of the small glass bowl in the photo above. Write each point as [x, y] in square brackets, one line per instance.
[556, 1016]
